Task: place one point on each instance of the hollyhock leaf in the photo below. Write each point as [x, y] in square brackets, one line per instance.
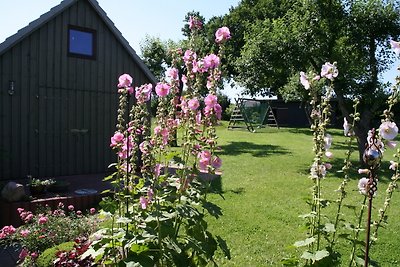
[124, 220]
[329, 228]
[307, 255]
[139, 248]
[305, 242]
[319, 255]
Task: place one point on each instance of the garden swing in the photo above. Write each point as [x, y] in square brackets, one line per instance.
[249, 112]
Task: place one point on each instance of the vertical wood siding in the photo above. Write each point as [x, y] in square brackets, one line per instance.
[63, 112]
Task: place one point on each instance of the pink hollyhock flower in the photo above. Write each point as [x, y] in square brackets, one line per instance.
[211, 61]
[125, 80]
[193, 103]
[218, 111]
[79, 212]
[328, 166]
[23, 254]
[195, 23]
[210, 100]
[388, 130]
[150, 194]
[395, 46]
[144, 147]
[92, 211]
[189, 56]
[24, 232]
[143, 202]
[222, 34]
[157, 170]
[198, 117]
[143, 93]
[20, 210]
[157, 130]
[71, 207]
[116, 139]
[203, 164]
[130, 90]
[216, 162]
[363, 185]
[329, 71]
[393, 165]
[184, 79]
[304, 80]
[43, 220]
[162, 89]
[172, 73]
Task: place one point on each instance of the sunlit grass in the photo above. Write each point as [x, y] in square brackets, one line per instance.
[264, 189]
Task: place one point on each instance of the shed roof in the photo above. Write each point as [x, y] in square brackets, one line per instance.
[43, 19]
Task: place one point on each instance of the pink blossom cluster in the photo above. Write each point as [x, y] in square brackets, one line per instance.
[206, 160]
[162, 89]
[26, 216]
[222, 35]
[124, 83]
[145, 201]
[6, 231]
[212, 106]
[195, 23]
[125, 145]
[143, 93]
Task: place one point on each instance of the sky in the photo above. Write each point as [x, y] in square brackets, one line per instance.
[134, 18]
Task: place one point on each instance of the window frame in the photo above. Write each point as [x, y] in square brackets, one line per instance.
[84, 30]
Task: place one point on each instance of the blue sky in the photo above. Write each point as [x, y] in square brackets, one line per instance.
[134, 18]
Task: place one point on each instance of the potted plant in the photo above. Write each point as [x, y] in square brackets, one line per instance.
[39, 186]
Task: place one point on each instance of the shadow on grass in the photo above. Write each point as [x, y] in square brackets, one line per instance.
[256, 150]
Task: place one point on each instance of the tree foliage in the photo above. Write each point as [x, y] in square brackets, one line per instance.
[274, 40]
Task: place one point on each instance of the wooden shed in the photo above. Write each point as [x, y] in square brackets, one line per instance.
[58, 97]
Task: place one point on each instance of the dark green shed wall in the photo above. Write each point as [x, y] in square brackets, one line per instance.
[62, 114]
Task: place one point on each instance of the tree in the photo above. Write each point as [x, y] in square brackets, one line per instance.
[272, 43]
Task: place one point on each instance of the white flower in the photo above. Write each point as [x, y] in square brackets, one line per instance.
[388, 130]
[395, 46]
[328, 141]
[393, 165]
[304, 80]
[329, 154]
[329, 71]
[347, 128]
[317, 171]
[363, 186]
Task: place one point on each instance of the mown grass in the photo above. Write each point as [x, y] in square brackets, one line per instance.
[264, 188]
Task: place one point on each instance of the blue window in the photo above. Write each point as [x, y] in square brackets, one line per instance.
[81, 42]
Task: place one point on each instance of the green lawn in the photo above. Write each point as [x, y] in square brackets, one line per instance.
[264, 187]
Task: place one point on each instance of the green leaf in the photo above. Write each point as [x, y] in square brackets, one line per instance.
[139, 248]
[303, 243]
[308, 215]
[320, 254]
[307, 255]
[329, 228]
[124, 220]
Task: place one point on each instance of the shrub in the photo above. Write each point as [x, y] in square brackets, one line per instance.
[46, 229]
[49, 255]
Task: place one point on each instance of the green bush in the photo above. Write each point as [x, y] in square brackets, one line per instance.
[49, 255]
